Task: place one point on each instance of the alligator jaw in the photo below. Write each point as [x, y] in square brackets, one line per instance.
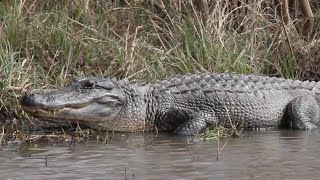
[41, 112]
[74, 112]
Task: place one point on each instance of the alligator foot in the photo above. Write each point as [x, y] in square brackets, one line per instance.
[193, 126]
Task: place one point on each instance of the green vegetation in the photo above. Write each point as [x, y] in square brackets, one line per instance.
[44, 44]
[218, 132]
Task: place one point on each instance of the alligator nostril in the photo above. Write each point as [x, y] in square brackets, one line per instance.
[28, 99]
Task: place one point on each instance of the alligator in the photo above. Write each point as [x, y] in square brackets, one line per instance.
[184, 104]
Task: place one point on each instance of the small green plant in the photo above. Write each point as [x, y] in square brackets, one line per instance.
[216, 132]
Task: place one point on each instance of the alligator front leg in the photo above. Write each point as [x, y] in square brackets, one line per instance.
[191, 127]
[184, 121]
[303, 112]
[195, 124]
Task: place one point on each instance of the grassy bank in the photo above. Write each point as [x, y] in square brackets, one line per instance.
[44, 44]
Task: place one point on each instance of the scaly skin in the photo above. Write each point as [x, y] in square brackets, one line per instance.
[184, 104]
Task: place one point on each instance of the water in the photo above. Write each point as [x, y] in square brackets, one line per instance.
[256, 155]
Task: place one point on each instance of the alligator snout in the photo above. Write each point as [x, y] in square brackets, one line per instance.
[34, 100]
[29, 100]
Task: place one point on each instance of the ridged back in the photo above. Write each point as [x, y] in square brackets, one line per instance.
[233, 83]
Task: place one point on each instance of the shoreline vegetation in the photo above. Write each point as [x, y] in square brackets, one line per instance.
[45, 44]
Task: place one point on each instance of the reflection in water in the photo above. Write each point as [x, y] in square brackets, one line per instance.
[261, 155]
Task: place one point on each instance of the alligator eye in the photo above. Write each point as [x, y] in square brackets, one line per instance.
[88, 84]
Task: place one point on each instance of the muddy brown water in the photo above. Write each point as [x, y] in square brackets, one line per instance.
[271, 154]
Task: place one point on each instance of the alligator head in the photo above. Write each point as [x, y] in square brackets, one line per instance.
[90, 101]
